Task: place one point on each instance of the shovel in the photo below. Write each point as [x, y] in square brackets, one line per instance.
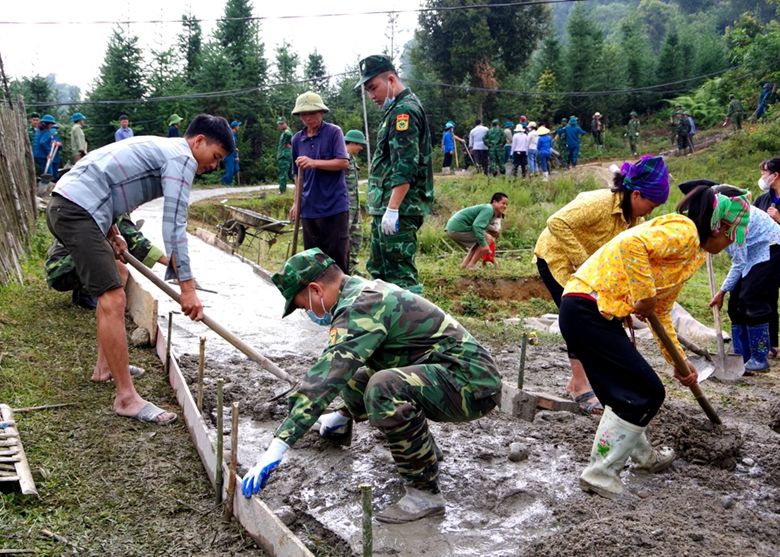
[298, 195]
[682, 367]
[253, 355]
[728, 367]
[45, 175]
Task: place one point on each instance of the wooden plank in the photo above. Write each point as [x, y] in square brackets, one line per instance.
[26, 483]
[142, 307]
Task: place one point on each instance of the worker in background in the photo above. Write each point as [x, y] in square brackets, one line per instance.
[78, 143]
[231, 161]
[468, 228]
[495, 141]
[124, 131]
[174, 122]
[283, 154]
[356, 142]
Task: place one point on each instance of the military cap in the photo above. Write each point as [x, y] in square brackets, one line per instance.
[34, 115]
[372, 66]
[174, 119]
[633, 113]
[494, 122]
[297, 272]
[281, 120]
[355, 136]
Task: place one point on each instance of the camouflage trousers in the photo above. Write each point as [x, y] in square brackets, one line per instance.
[284, 166]
[393, 257]
[399, 401]
[496, 160]
[355, 239]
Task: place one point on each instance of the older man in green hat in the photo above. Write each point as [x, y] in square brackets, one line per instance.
[495, 141]
[356, 142]
[78, 143]
[174, 122]
[284, 154]
[396, 359]
[400, 181]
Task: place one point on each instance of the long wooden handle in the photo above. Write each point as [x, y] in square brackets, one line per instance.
[253, 354]
[298, 195]
[682, 367]
[716, 315]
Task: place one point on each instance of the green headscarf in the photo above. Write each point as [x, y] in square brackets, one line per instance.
[733, 213]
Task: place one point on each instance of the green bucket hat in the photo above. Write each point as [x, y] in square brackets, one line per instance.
[77, 117]
[174, 119]
[355, 136]
[372, 66]
[309, 102]
[297, 272]
[281, 120]
[494, 122]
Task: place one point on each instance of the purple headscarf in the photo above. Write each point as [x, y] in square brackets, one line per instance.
[649, 177]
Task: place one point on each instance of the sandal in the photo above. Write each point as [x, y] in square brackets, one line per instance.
[588, 403]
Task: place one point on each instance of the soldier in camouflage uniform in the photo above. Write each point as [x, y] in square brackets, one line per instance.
[632, 131]
[400, 181]
[356, 142]
[735, 113]
[284, 154]
[495, 141]
[61, 272]
[396, 359]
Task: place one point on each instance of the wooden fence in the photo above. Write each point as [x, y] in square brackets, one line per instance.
[18, 208]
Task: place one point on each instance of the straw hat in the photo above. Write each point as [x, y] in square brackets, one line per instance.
[542, 131]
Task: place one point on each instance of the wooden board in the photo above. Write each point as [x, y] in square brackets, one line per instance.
[23, 474]
[142, 307]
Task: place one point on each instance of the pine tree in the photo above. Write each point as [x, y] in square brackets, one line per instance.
[671, 65]
[190, 45]
[315, 74]
[582, 54]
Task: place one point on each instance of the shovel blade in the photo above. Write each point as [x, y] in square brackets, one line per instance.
[732, 369]
[704, 367]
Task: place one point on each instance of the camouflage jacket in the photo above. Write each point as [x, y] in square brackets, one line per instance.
[495, 138]
[59, 264]
[285, 139]
[381, 326]
[632, 128]
[735, 108]
[402, 156]
[351, 176]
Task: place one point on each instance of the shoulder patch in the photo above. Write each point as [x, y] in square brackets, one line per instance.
[402, 122]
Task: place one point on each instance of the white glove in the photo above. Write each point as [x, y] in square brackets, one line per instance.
[332, 423]
[390, 221]
[258, 475]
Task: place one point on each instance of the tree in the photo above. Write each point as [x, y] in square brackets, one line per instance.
[671, 66]
[315, 73]
[190, 45]
[287, 87]
[582, 54]
[121, 77]
[639, 62]
[547, 104]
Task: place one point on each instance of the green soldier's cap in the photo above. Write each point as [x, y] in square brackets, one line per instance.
[281, 120]
[494, 122]
[355, 136]
[633, 113]
[34, 115]
[174, 119]
[297, 272]
[372, 66]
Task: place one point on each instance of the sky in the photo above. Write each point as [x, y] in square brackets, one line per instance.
[74, 53]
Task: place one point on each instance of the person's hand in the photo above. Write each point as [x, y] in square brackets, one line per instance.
[258, 475]
[645, 307]
[305, 162]
[293, 213]
[689, 380]
[191, 305]
[332, 423]
[119, 245]
[717, 299]
[774, 213]
[390, 221]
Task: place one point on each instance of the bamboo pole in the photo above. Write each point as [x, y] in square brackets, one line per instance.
[231, 487]
[168, 344]
[201, 367]
[220, 426]
[368, 511]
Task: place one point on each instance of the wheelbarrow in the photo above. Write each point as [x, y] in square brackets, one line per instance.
[245, 222]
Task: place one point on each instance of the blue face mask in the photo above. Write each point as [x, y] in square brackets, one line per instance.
[327, 317]
[388, 100]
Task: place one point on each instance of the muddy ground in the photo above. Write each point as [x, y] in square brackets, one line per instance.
[722, 496]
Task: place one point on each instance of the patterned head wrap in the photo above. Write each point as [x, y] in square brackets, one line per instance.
[732, 215]
[649, 177]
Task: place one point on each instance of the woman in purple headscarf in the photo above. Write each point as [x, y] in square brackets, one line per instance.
[577, 230]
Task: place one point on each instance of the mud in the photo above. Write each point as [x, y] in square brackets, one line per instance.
[505, 289]
[721, 496]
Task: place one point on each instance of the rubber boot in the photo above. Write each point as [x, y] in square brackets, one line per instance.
[647, 459]
[740, 342]
[446, 170]
[415, 505]
[546, 176]
[615, 440]
[758, 335]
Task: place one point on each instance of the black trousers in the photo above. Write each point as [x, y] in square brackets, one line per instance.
[754, 299]
[481, 158]
[621, 378]
[331, 235]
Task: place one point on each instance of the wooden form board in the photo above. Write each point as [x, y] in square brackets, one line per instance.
[255, 516]
[142, 307]
[13, 453]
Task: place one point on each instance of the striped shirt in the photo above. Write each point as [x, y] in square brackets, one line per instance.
[119, 177]
[762, 233]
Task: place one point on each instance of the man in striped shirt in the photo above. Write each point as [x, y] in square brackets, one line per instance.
[116, 179]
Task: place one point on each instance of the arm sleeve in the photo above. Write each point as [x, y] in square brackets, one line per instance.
[339, 148]
[565, 225]
[349, 348]
[664, 312]
[404, 149]
[138, 244]
[738, 262]
[177, 176]
[481, 223]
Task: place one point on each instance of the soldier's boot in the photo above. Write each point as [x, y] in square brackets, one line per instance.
[414, 505]
[615, 440]
[647, 459]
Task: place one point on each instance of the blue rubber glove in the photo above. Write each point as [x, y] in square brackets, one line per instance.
[258, 475]
[390, 221]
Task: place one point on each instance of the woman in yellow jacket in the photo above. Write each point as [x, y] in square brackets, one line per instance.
[640, 271]
[578, 229]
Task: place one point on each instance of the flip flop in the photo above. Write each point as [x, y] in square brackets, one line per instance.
[150, 412]
[135, 371]
[586, 407]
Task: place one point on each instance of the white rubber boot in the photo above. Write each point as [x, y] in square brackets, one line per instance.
[615, 440]
[415, 505]
[647, 459]
[446, 170]
[546, 176]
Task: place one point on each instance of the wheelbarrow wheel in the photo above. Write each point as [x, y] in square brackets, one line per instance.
[227, 229]
[240, 234]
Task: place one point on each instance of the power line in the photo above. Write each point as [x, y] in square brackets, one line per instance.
[520, 4]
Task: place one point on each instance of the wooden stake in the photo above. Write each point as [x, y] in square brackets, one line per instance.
[201, 366]
[168, 345]
[521, 374]
[45, 407]
[218, 472]
[231, 488]
[368, 512]
[62, 539]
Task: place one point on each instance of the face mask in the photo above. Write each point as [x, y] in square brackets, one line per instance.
[327, 317]
[763, 184]
[388, 100]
